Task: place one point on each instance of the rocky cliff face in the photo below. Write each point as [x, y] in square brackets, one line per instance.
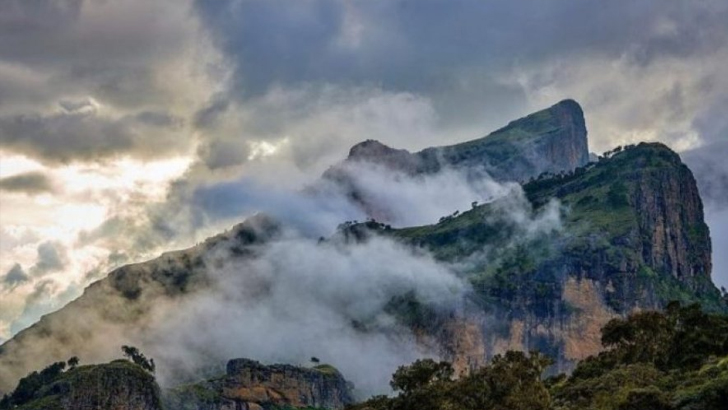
[250, 385]
[631, 236]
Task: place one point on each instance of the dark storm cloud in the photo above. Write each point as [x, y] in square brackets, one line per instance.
[15, 276]
[206, 116]
[453, 50]
[78, 133]
[48, 33]
[29, 182]
[25, 23]
[218, 154]
[51, 258]
[409, 44]
[712, 123]
[135, 58]
[709, 166]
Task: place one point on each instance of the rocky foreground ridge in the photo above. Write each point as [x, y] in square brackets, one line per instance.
[119, 385]
[123, 385]
[250, 385]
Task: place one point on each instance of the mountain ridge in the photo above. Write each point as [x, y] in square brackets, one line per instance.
[602, 261]
[557, 133]
[552, 140]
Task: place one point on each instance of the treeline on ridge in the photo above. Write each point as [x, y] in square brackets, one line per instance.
[671, 360]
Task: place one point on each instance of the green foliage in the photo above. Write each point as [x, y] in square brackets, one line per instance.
[191, 396]
[29, 385]
[413, 313]
[512, 381]
[419, 375]
[73, 362]
[671, 360]
[52, 388]
[138, 358]
[602, 236]
[681, 337]
[326, 369]
[650, 398]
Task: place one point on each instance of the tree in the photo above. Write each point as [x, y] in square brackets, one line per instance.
[138, 358]
[29, 385]
[73, 362]
[678, 337]
[645, 399]
[420, 374]
[512, 381]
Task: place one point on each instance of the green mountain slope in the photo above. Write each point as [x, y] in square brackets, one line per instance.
[633, 221]
[550, 266]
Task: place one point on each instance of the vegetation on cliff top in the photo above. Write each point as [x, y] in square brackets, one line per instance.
[672, 360]
[61, 384]
[604, 235]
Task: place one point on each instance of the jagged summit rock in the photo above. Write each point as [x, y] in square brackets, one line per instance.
[553, 140]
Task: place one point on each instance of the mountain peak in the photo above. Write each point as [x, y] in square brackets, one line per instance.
[374, 151]
[556, 137]
[550, 140]
[570, 104]
[368, 148]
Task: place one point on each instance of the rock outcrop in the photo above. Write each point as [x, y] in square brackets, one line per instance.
[250, 385]
[119, 385]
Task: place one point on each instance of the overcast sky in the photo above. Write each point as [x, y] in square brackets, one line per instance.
[117, 118]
